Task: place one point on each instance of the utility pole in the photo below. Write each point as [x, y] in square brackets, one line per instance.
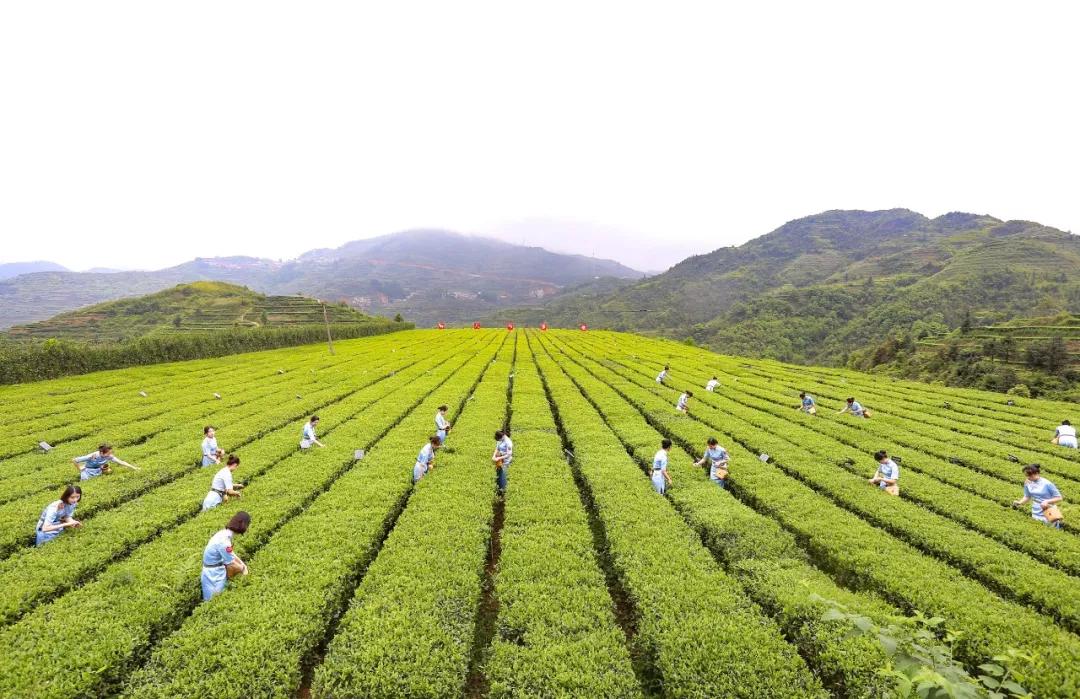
[326, 320]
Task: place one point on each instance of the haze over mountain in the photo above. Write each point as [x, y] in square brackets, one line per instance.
[14, 269]
[427, 275]
[651, 254]
[821, 287]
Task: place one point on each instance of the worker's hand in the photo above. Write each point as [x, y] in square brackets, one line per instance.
[1017, 503]
[75, 523]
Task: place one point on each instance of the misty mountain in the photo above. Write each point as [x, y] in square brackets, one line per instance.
[426, 275]
[14, 269]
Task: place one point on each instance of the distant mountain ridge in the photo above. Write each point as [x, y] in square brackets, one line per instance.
[14, 269]
[426, 275]
[822, 287]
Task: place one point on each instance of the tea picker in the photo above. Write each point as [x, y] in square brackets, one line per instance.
[659, 475]
[98, 463]
[888, 474]
[716, 458]
[1043, 495]
[502, 457]
[307, 437]
[222, 486]
[1065, 435]
[219, 563]
[855, 408]
[425, 460]
[211, 454]
[442, 427]
[807, 404]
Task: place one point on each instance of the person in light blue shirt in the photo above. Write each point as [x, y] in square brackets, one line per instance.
[684, 401]
[58, 516]
[887, 476]
[222, 486]
[442, 426]
[1065, 435]
[716, 459]
[307, 437]
[663, 374]
[855, 408]
[218, 556]
[97, 463]
[425, 460]
[807, 404]
[660, 478]
[1042, 494]
[504, 454]
[210, 453]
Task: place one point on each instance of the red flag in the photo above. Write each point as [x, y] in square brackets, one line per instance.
[476, 325]
[442, 325]
[509, 326]
[543, 326]
[583, 327]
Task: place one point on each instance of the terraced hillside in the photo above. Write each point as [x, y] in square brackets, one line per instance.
[800, 580]
[185, 308]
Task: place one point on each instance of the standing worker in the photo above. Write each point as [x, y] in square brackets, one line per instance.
[504, 454]
[716, 458]
[442, 427]
[210, 453]
[1044, 497]
[307, 437]
[660, 478]
[855, 408]
[684, 401]
[222, 485]
[219, 561]
[888, 474]
[713, 383]
[57, 516]
[807, 404]
[663, 374]
[97, 463]
[1065, 435]
[425, 460]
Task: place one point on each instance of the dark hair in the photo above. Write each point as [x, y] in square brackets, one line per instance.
[712, 442]
[443, 407]
[239, 522]
[665, 443]
[1065, 422]
[206, 430]
[1030, 469]
[802, 394]
[879, 455]
[714, 377]
[666, 367]
[69, 491]
[850, 400]
[434, 439]
[233, 459]
[499, 434]
[314, 418]
[689, 394]
[104, 446]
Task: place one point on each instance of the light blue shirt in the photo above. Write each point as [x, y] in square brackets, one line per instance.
[808, 402]
[222, 480]
[856, 409]
[717, 458]
[505, 448]
[889, 470]
[426, 455]
[209, 450]
[218, 554]
[1038, 490]
[683, 400]
[659, 461]
[440, 422]
[55, 513]
[661, 376]
[307, 438]
[94, 463]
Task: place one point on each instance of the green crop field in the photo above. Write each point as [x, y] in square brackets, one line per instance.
[800, 580]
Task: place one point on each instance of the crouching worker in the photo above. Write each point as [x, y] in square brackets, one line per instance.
[425, 460]
[504, 454]
[222, 486]
[855, 408]
[716, 458]
[1044, 497]
[684, 402]
[219, 562]
[807, 404]
[98, 463]
[57, 516]
[888, 474]
[660, 478]
[1065, 435]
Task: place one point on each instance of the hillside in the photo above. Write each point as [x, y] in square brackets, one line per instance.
[819, 288]
[426, 275]
[195, 307]
[787, 577]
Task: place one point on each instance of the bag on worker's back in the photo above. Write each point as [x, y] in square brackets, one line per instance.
[892, 489]
[1053, 513]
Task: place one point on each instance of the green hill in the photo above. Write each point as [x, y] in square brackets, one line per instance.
[185, 308]
[821, 288]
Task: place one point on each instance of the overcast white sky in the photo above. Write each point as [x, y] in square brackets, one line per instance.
[142, 134]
